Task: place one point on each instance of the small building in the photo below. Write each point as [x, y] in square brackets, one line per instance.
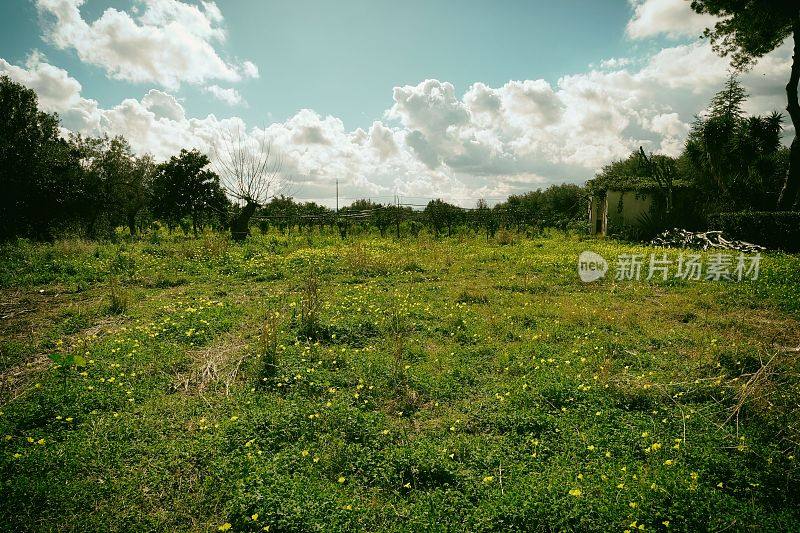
[619, 208]
[636, 207]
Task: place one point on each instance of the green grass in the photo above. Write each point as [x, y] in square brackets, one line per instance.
[452, 384]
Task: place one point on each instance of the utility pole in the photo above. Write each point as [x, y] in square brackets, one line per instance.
[339, 225]
[397, 213]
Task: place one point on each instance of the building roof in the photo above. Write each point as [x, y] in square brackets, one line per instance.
[631, 183]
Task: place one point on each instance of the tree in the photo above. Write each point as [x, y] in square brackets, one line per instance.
[440, 215]
[124, 182]
[748, 30]
[37, 167]
[732, 155]
[250, 174]
[136, 189]
[483, 218]
[184, 187]
[113, 184]
[283, 210]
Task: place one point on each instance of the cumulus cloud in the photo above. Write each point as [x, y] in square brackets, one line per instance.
[163, 105]
[434, 140]
[170, 42]
[57, 91]
[674, 18]
[230, 95]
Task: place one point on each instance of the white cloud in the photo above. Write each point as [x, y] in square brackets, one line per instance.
[692, 66]
[230, 95]
[433, 141]
[249, 70]
[57, 91]
[163, 105]
[169, 43]
[615, 62]
[674, 18]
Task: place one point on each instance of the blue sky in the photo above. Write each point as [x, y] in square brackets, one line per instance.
[423, 98]
[344, 58]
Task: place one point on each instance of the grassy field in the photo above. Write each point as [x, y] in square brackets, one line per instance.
[302, 384]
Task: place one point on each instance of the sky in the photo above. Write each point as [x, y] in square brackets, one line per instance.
[423, 99]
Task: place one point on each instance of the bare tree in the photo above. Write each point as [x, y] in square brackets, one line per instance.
[250, 172]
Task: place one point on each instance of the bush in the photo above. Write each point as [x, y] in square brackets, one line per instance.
[773, 229]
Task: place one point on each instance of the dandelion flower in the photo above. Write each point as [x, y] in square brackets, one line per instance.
[575, 492]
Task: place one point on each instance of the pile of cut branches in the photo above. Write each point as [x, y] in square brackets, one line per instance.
[681, 238]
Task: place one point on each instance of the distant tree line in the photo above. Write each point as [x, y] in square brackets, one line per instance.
[559, 206]
[91, 186]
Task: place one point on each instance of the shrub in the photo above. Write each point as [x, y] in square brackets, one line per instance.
[773, 229]
[504, 237]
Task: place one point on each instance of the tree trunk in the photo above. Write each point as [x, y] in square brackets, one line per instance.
[240, 225]
[132, 223]
[792, 184]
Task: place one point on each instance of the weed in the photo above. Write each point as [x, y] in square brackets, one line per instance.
[118, 298]
[310, 307]
[268, 346]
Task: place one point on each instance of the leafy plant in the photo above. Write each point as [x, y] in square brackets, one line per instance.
[67, 363]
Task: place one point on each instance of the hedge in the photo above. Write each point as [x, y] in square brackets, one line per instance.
[773, 229]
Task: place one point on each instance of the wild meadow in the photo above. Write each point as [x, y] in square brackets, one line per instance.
[305, 383]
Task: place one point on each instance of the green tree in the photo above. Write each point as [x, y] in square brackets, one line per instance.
[37, 167]
[184, 187]
[734, 156]
[112, 184]
[748, 30]
[136, 189]
[439, 215]
[122, 184]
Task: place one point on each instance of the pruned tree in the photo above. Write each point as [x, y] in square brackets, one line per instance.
[748, 30]
[250, 172]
